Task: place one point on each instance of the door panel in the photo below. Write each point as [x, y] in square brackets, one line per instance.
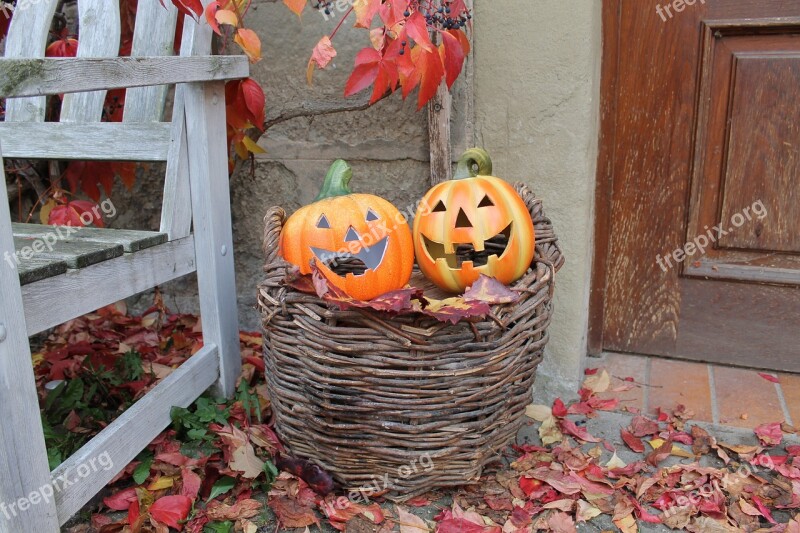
[701, 165]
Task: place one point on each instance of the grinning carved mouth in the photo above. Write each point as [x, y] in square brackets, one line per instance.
[344, 263]
[463, 253]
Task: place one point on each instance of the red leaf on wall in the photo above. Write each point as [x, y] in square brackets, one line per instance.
[365, 71]
[453, 57]
[254, 101]
[365, 12]
[768, 377]
[211, 16]
[418, 30]
[192, 8]
[432, 72]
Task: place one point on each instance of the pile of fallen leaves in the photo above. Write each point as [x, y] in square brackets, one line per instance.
[221, 468]
[682, 478]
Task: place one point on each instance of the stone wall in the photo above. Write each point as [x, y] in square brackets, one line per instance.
[537, 79]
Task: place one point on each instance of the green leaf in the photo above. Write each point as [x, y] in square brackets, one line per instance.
[196, 434]
[272, 473]
[142, 471]
[219, 527]
[222, 486]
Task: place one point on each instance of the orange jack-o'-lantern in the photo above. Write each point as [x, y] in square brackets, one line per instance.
[361, 242]
[471, 225]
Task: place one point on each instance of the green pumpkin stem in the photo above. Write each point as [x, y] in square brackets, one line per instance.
[471, 158]
[337, 181]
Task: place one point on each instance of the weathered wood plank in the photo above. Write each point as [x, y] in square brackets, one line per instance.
[176, 207]
[27, 37]
[104, 283]
[131, 240]
[99, 141]
[23, 456]
[38, 268]
[153, 35]
[120, 442]
[100, 29]
[75, 253]
[210, 191]
[55, 75]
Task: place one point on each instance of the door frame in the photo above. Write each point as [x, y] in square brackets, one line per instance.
[605, 173]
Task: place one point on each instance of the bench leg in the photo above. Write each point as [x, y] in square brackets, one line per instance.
[26, 493]
[211, 214]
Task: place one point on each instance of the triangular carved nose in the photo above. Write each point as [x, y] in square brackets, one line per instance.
[351, 235]
[462, 221]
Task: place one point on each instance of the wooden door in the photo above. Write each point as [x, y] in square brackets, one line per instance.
[698, 198]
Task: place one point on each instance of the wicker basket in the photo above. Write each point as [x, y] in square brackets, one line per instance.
[373, 398]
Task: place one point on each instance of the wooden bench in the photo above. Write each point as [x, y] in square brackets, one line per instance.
[44, 282]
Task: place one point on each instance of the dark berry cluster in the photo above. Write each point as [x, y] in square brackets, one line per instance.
[443, 18]
[324, 5]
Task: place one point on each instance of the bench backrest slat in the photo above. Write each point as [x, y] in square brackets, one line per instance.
[99, 34]
[153, 35]
[27, 37]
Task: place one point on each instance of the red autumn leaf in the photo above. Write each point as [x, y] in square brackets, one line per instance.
[489, 290]
[603, 405]
[418, 30]
[171, 510]
[660, 454]
[5, 22]
[590, 371]
[570, 428]
[292, 513]
[529, 485]
[365, 12]
[431, 71]
[122, 500]
[339, 512]
[246, 508]
[633, 442]
[75, 213]
[769, 434]
[765, 512]
[295, 6]
[365, 72]
[191, 483]
[769, 377]
[559, 409]
[453, 57]
[642, 427]
[191, 8]
[211, 15]
[249, 43]
[462, 525]
[324, 52]
[793, 450]
[392, 13]
[254, 102]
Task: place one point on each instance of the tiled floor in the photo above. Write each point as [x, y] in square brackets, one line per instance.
[719, 394]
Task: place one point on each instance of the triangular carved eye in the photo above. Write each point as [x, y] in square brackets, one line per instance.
[439, 207]
[371, 215]
[486, 202]
[352, 235]
[323, 223]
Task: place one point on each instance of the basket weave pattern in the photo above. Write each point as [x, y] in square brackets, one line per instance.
[367, 394]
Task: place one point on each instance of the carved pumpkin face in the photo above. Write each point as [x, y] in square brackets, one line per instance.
[360, 242]
[474, 224]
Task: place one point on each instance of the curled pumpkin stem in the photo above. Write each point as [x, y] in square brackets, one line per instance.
[337, 181]
[474, 162]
